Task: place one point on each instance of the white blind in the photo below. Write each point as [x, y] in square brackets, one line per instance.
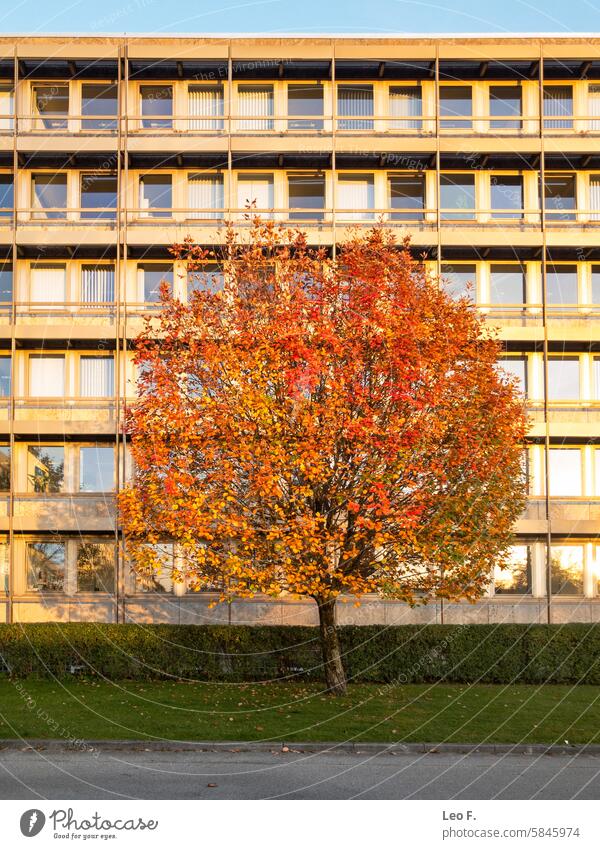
[47, 377]
[558, 102]
[98, 284]
[205, 192]
[355, 101]
[255, 101]
[96, 377]
[6, 108]
[355, 193]
[205, 107]
[48, 285]
[594, 105]
[405, 106]
[259, 188]
[595, 197]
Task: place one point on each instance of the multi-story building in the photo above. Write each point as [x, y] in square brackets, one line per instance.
[484, 149]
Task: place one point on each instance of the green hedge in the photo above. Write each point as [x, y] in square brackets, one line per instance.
[565, 654]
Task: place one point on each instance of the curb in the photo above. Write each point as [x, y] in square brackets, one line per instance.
[281, 747]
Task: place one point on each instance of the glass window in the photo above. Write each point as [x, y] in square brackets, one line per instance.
[566, 569]
[515, 577]
[356, 192]
[515, 367]
[597, 484]
[505, 107]
[98, 193]
[48, 284]
[407, 196]
[97, 284]
[96, 377]
[561, 285]
[506, 196]
[7, 106]
[205, 193]
[205, 106]
[156, 195]
[256, 194]
[161, 581]
[45, 468]
[49, 195]
[51, 103]
[4, 468]
[99, 103]
[306, 192]
[305, 106]
[596, 284]
[558, 107]
[151, 275]
[157, 107]
[597, 378]
[507, 284]
[4, 567]
[46, 376]
[46, 566]
[6, 282]
[96, 567]
[6, 195]
[564, 471]
[210, 278]
[563, 379]
[256, 101]
[355, 102]
[456, 103]
[460, 280]
[4, 377]
[457, 192]
[96, 468]
[406, 108]
[559, 191]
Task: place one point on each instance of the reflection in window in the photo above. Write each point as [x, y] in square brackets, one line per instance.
[156, 195]
[99, 103]
[209, 278]
[151, 275]
[96, 468]
[558, 107]
[563, 379]
[4, 468]
[305, 106]
[51, 103]
[355, 106]
[161, 581]
[507, 284]
[561, 285]
[46, 566]
[566, 569]
[157, 107]
[6, 282]
[564, 468]
[407, 196]
[457, 192]
[95, 567]
[99, 195]
[506, 196]
[6, 195]
[306, 192]
[515, 367]
[460, 280]
[560, 197]
[45, 468]
[515, 577]
[5, 376]
[505, 103]
[456, 103]
[49, 195]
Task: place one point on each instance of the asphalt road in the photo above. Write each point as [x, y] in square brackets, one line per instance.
[278, 775]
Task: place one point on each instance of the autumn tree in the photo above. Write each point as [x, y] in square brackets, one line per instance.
[322, 427]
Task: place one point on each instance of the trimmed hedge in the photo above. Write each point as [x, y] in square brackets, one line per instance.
[557, 654]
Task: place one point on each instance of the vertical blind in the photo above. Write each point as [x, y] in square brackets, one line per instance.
[255, 101]
[405, 107]
[46, 376]
[355, 193]
[96, 377]
[98, 284]
[205, 194]
[558, 105]
[595, 197]
[258, 188]
[6, 108]
[48, 285]
[354, 100]
[594, 106]
[205, 107]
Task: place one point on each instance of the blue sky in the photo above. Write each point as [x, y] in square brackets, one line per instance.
[308, 16]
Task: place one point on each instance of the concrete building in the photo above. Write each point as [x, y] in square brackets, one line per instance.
[484, 149]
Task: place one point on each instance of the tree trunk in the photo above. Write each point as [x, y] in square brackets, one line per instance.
[330, 646]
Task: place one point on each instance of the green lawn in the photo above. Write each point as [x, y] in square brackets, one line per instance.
[377, 713]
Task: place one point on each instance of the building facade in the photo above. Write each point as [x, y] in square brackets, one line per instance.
[484, 149]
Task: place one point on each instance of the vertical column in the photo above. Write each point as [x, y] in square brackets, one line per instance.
[11, 400]
[438, 216]
[334, 126]
[119, 322]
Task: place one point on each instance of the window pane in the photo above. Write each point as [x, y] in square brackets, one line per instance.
[596, 284]
[51, 103]
[45, 468]
[558, 107]
[306, 192]
[507, 284]
[96, 567]
[99, 192]
[152, 275]
[96, 468]
[97, 284]
[505, 101]
[207, 279]
[7, 107]
[256, 193]
[515, 367]
[566, 569]
[205, 192]
[460, 280]
[157, 106]
[506, 196]
[156, 194]
[597, 378]
[99, 99]
[406, 108]
[49, 192]
[563, 379]
[4, 377]
[48, 284]
[559, 192]
[4, 567]
[457, 191]
[4, 468]
[407, 193]
[46, 566]
[564, 471]
[96, 377]
[561, 285]
[6, 195]
[306, 101]
[516, 577]
[357, 101]
[255, 101]
[205, 106]
[455, 103]
[162, 581]
[356, 192]
[6, 282]
[46, 376]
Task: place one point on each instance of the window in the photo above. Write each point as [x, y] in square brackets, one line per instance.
[205, 193]
[99, 106]
[156, 195]
[561, 285]
[4, 468]
[356, 192]
[4, 567]
[161, 581]
[210, 278]
[46, 566]
[597, 483]
[515, 577]
[460, 280]
[4, 377]
[7, 108]
[563, 379]
[594, 106]
[515, 367]
[6, 195]
[255, 102]
[6, 282]
[51, 104]
[506, 196]
[407, 196]
[596, 284]
[566, 569]
[558, 107]
[564, 472]
[306, 192]
[48, 284]
[96, 377]
[157, 107]
[456, 107]
[560, 198]
[45, 468]
[96, 468]
[46, 376]
[457, 192]
[256, 194]
[305, 106]
[594, 207]
[505, 104]
[97, 284]
[406, 108]
[205, 107]
[98, 194]
[96, 567]
[49, 195]
[150, 276]
[507, 285]
[356, 102]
